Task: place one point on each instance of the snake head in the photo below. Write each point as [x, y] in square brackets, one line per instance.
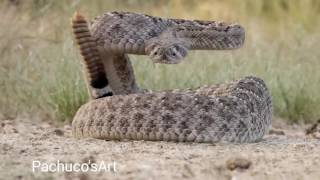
[171, 53]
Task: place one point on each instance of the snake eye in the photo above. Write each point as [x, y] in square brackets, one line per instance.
[174, 54]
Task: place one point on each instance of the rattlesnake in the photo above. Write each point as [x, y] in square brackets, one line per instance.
[239, 111]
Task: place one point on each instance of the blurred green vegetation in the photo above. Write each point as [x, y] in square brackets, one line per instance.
[40, 73]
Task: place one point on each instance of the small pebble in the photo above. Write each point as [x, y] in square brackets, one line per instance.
[238, 163]
[314, 130]
[276, 132]
[58, 132]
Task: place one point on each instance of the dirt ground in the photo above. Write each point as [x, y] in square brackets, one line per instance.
[284, 154]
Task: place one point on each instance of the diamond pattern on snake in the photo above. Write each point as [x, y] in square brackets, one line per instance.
[239, 111]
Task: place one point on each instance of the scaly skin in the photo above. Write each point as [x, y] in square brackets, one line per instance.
[132, 33]
[240, 111]
[125, 32]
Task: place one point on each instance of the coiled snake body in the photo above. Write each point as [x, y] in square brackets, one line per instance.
[239, 111]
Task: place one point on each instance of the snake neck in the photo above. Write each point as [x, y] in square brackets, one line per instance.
[120, 73]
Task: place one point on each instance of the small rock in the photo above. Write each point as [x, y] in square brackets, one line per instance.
[8, 127]
[276, 132]
[19, 177]
[6, 147]
[14, 130]
[238, 163]
[314, 130]
[83, 176]
[58, 132]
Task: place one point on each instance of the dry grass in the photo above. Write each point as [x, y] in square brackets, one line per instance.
[40, 71]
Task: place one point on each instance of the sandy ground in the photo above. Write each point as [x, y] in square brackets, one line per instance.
[291, 155]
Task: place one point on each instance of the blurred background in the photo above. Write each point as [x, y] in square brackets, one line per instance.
[40, 71]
